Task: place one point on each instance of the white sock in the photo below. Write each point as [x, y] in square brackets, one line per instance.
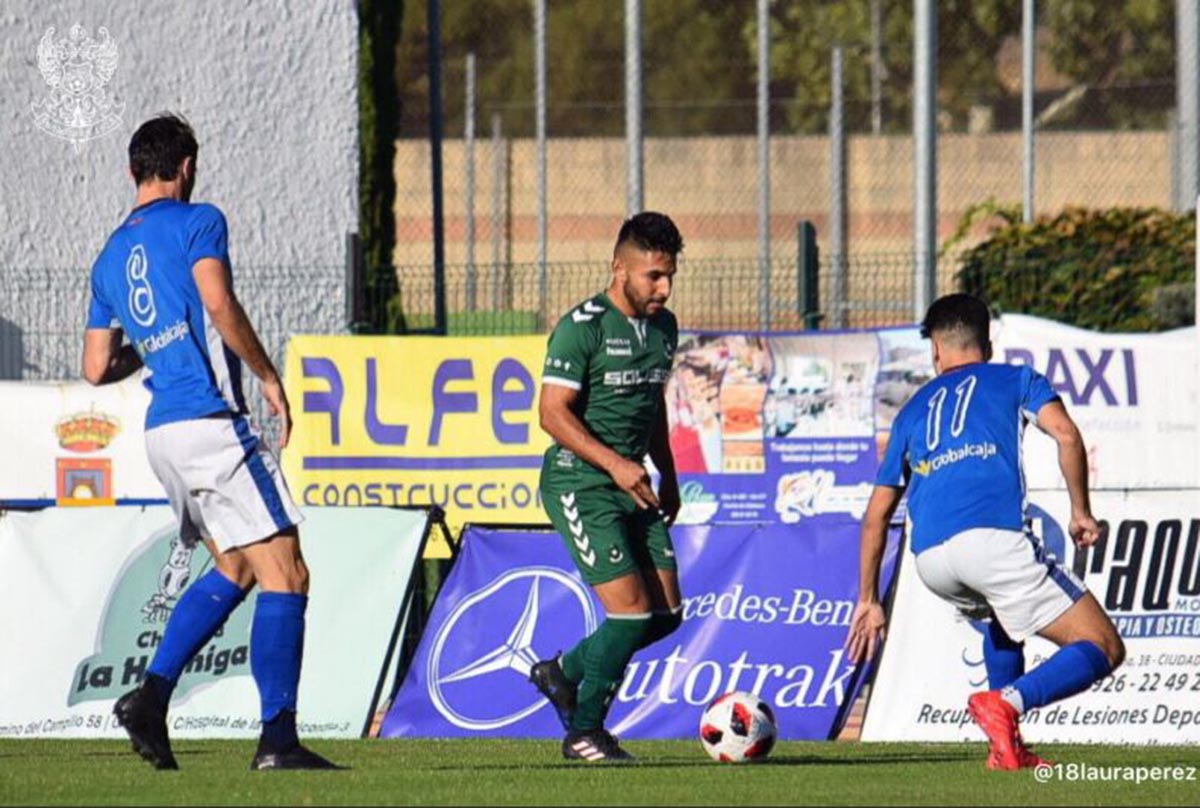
[1013, 697]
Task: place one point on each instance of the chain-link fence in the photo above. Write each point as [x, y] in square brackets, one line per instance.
[43, 310]
[1106, 133]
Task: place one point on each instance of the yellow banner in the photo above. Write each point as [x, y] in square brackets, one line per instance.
[449, 421]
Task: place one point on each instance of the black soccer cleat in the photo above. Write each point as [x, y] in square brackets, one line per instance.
[295, 758]
[594, 746]
[145, 722]
[547, 676]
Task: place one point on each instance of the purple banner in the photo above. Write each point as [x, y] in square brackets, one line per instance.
[766, 610]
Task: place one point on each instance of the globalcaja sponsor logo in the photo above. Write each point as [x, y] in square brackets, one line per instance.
[156, 342]
[980, 451]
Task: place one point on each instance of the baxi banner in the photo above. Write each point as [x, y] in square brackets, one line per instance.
[766, 609]
[1135, 398]
[1145, 572]
[92, 591]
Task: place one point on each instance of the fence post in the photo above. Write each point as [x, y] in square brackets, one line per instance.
[837, 191]
[808, 266]
[469, 190]
[356, 282]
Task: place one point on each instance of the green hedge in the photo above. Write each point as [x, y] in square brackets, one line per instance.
[1123, 269]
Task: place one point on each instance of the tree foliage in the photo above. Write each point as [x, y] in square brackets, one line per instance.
[1122, 269]
[699, 62]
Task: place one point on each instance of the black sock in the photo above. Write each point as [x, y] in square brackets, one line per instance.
[160, 688]
[279, 734]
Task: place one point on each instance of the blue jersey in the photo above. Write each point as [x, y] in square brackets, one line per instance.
[142, 282]
[956, 445]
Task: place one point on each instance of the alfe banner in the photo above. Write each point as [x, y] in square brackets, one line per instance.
[766, 610]
[72, 443]
[448, 421]
[87, 595]
[1145, 572]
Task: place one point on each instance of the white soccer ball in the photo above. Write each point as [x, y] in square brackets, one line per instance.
[738, 728]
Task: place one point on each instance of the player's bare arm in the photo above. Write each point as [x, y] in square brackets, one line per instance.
[664, 461]
[105, 360]
[231, 322]
[867, 625]
[1072, 460]
[557, 416]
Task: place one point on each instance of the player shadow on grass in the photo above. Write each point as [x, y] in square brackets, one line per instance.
[872, 759]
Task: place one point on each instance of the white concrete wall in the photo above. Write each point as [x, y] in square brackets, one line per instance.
[270, 88]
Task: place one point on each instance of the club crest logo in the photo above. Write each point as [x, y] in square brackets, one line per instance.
[77, 67]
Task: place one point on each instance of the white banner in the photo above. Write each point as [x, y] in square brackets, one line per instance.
[1146, 575]
[71, 441]
[86, 596]
[1134, 397]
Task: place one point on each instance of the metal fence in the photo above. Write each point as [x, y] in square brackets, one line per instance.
[1106, 132]
[43, 310]
[711, 294]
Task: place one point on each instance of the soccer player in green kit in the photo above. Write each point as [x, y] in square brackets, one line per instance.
[607, 363]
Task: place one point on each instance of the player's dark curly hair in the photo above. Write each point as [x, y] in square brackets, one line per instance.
[964, 318]
[159, 146]
[654, 232]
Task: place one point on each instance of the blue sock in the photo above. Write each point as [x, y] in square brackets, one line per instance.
[276, 650]
[1071, 670]
[202, 610]
[1002, 656]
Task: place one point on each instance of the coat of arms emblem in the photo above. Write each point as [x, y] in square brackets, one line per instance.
[77, 67]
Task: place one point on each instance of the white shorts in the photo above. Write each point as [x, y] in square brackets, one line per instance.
[1002, 572]
[223, 481]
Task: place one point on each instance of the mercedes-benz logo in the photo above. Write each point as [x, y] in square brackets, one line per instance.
[515, 652]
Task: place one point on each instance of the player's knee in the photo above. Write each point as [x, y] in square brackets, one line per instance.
[236, 569]
[1114, 649]
[301, 577]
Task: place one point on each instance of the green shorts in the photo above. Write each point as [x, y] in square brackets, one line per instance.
[607, 534]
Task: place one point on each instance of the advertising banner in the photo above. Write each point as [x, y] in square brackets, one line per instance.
[774, 428]
[72, 443]
[1135, 398]
[784, 428]
[87, 596]
[766, 610]
[1145, 573]
[447, 421]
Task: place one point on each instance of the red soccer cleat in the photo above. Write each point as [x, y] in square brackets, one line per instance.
[998, 720]
[1027, 758]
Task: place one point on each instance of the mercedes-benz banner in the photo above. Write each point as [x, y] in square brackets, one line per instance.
[767, 609]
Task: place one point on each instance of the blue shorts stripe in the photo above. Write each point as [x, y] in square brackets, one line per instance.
[262, 477]
[1064, 582]
[1056, 573]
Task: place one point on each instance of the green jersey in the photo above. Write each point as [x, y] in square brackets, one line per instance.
[619, 365]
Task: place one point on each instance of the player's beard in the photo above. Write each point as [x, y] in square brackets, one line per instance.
[641, 304]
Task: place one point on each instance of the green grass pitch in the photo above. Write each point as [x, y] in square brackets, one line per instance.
[503, 772]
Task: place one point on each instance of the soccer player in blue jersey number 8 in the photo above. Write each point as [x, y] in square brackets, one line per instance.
[164, 280]
[956, 447]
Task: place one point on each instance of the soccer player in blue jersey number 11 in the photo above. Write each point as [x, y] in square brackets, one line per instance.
[956, 447]
[164, 280]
